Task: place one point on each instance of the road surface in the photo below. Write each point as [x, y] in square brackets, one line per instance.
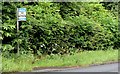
[99, 68]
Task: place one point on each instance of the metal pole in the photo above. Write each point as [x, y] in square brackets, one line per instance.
[17, 32]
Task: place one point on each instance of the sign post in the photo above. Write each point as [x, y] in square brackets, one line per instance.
[21, 16]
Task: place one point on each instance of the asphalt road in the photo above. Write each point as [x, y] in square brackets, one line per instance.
[99, 68]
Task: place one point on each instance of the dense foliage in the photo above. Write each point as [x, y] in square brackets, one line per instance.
[58, 28]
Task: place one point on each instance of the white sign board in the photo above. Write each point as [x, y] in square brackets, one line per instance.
[21, 14]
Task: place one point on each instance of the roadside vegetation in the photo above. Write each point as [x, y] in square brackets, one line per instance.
[82, 59]
[75, 34]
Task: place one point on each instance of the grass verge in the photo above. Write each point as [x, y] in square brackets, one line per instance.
[85, 58]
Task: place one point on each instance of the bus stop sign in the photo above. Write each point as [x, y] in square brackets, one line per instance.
[21, 14]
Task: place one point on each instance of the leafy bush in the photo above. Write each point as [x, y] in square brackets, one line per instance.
[52, 29]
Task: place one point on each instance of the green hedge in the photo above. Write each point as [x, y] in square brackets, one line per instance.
[53, 28]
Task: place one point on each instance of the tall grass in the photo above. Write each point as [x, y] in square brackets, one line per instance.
[85, 58]
[17, 63]
[79, 59]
